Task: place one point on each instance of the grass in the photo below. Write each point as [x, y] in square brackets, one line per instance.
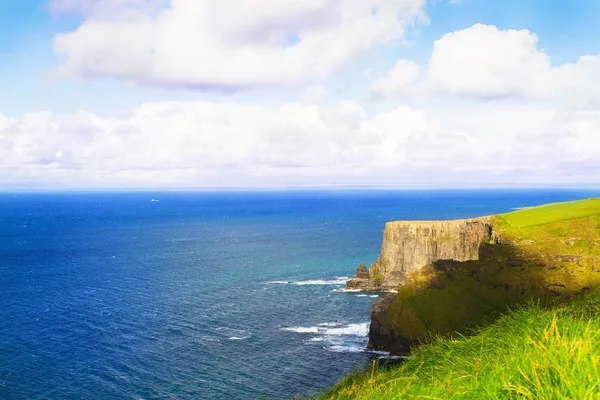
[533, 352]
[553, 212]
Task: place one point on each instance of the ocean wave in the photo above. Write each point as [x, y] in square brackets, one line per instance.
[238, 338]
[337, 281]
[329, 324]
[346, 349]
[352, 329]
[341, 280]
[312, 329]
[336, 337]
[326, 330]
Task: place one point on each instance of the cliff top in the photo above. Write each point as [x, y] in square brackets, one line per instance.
[554, 212]
[429, 222]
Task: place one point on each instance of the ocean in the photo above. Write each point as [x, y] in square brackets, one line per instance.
[199, 295]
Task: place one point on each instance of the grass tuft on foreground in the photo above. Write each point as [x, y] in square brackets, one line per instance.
[533, 352]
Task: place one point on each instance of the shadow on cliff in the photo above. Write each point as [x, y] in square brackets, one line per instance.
[454, 298]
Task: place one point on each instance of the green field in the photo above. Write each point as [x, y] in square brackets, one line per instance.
[531, 353]
[553, 213]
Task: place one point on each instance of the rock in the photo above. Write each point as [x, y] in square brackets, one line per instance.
[357, 283]
[409, 246]
[361, 272]
[381, 334]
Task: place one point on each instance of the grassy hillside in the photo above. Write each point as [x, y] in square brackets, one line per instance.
[531, 353]
[553, 212]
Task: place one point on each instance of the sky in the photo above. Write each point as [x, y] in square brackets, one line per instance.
[205, 94]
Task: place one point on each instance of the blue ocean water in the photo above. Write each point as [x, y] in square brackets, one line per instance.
[198, 295]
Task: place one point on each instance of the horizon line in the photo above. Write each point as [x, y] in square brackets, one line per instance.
[323, 188]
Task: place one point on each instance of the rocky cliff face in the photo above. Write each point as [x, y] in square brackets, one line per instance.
[408, 246]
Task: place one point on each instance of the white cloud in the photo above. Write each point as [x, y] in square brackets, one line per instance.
[315, 94]
[579, 82]
[228, 44]
[201, 144]
[485, 62]
[399, 81]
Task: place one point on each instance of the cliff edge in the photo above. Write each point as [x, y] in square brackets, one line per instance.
[452, 276]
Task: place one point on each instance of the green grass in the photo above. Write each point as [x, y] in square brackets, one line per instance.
[533, 352]
[553, 213]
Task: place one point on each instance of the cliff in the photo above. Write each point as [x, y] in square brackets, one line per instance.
[452, 276]
[408, 246]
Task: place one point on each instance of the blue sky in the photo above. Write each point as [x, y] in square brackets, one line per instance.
[78, 101]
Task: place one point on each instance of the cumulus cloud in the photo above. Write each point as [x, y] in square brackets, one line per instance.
[399, 81]
[203, 144]
[227, 44]
[483, 61]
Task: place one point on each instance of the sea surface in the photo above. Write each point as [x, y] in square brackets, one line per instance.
[198, 295]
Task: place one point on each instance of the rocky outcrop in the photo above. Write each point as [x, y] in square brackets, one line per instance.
[361, 272]
[362, 279]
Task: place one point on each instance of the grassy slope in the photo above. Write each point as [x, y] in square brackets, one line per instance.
[531, 353]
[553, 212]
[553, 254]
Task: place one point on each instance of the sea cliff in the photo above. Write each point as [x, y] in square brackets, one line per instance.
[408, 246]
[452, 276]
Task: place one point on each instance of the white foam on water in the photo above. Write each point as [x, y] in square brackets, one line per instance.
[374, 295]
[324, 329]
[338, 281]
[336, 337]
[329, 324]
[300, 329]
[352, 329]
[238, 338]
[362, 295]
[345, 349]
